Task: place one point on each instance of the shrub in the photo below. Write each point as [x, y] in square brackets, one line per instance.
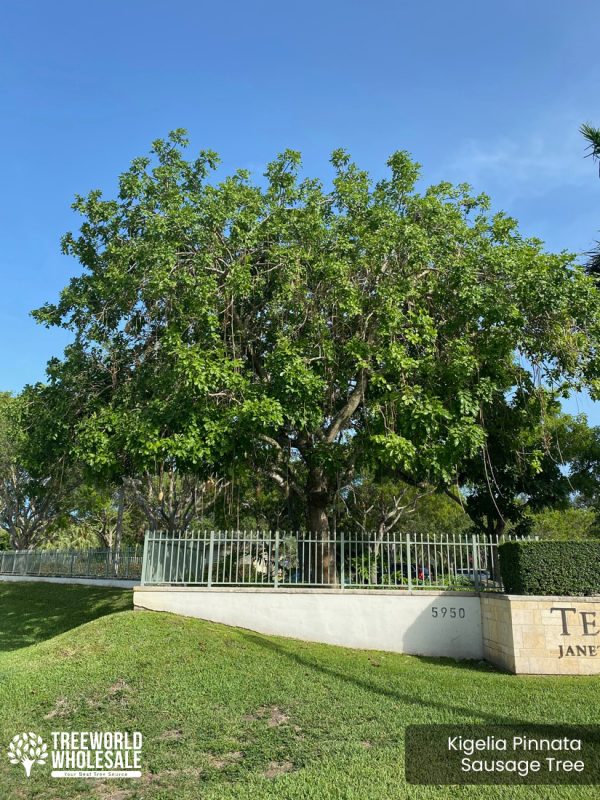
[550, 567]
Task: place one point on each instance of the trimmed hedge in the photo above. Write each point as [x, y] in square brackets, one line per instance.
[550, 567]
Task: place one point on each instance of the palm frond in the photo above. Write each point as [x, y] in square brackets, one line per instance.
[592, 266]
[593, 136]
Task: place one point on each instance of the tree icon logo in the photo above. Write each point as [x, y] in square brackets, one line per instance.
[27, 749]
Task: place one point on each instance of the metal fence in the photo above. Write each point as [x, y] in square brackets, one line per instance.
[123, 564]
[277, 559]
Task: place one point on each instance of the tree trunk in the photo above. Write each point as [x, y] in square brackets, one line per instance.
[375, 548]
[324, 563]
[119, 528]
[495, 526]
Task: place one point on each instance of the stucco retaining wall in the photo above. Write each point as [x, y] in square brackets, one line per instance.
[424, 623]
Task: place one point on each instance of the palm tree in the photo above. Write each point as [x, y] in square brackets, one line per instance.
[593, 137]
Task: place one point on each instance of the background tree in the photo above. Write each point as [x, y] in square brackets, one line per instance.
[523, 465]
[31, 500]
[432, 513]
[94, 520]
[584, 474]
[171, 501]
[564, 523]
[305, 333]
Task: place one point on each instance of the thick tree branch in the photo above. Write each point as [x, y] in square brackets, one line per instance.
[345, 414]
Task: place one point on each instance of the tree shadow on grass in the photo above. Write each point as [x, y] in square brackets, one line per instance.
[393, 692]
[33, 612]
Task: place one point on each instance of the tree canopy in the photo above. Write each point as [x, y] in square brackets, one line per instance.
[309, 333]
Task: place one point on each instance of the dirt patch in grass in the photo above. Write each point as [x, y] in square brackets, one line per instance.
[119, 692]
[171, 736]
[169, 775]
[105, 791]
[62, 708]
[224, 760]
[67, 652]
[119, 687]
[273, 716]
[276, 768]
[17, 794]
[276, 717]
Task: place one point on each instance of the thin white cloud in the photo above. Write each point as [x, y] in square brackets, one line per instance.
[525, 166]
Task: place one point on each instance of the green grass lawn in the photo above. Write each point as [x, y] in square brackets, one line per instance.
[226, 713]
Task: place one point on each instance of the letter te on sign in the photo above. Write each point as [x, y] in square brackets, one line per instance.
[563, 613]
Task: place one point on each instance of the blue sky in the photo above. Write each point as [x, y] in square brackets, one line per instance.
[490, 93]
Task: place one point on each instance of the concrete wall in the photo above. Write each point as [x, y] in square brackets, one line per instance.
[421, 623]
[84, 581]
[542, 635]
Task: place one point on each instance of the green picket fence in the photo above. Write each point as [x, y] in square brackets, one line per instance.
[295, 559]
[123, 564]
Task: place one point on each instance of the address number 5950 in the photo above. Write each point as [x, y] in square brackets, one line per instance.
[453, 612]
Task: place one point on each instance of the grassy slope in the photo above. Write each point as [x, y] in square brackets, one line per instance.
[227, 714]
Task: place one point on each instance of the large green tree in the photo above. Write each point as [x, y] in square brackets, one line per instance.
[311, 332]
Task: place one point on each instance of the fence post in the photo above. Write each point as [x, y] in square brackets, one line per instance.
[342, 559]
[72, 562]
[107, 563]
[145, 558]
[475, 560]
[408, 564]
[276, 578]
[211, 547]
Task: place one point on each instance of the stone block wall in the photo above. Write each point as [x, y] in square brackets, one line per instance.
[542, 635]
[497, 632]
